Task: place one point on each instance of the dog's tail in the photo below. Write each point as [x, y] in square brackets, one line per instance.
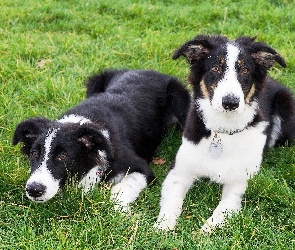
[99, 82]
[178, 101]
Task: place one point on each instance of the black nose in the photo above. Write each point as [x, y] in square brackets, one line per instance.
[230, 102]
[35, 189]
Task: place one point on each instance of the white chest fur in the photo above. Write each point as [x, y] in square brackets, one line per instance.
[240, 158]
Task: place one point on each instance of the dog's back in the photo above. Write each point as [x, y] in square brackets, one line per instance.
[144, 103]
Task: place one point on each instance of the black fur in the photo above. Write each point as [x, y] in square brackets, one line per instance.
[135, 107]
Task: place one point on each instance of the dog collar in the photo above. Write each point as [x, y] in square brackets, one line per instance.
[231, 132]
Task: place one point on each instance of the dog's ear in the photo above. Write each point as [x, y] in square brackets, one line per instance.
[266, 56]
[90, 137]
[93, 139]
[28, 130]
[195, 49]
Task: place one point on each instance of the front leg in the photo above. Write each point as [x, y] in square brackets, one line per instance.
[231, 202]
[133, 175]
[174, 189]
[127, 190]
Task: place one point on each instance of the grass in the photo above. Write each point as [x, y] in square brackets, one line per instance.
[48, 49]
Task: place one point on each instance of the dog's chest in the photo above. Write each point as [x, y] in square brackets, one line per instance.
[237, 157]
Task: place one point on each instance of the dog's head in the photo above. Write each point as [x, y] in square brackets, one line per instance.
[228, 75]
[61, 149]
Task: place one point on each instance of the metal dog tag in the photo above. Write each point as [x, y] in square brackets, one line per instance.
[215, 148]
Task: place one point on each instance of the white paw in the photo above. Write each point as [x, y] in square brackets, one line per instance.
[206, 228]
[116, 192]
[216, 220]
[165, 224]
[122, 208]
[126, 191]
[121, 199]
[117, 196]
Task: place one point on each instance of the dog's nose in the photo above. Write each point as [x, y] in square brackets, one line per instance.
[230, 102]
[35, 189]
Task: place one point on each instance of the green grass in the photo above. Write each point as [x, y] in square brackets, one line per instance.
[48, 48]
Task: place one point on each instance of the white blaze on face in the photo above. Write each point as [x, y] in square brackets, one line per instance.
[74, 119]
[42, 175]
[229, 84]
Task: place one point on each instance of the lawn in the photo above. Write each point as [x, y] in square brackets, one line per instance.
[48, 49]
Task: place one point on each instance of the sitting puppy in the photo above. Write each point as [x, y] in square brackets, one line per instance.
[238, 112]
[111, 136]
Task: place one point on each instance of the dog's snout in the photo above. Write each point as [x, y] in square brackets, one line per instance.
[35, 189]
[230, 102]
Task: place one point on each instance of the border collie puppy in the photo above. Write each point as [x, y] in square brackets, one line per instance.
[111, 136]
[238, 112]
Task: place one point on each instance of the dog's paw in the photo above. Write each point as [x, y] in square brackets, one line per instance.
[116, 191]
[119, 198]
[125, 209]
[212, 223]
[164, 225]
[118, 195]
[206, 228]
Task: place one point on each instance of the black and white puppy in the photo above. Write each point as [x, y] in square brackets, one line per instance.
[111, 136]
[238, 112]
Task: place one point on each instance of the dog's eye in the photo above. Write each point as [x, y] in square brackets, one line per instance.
[244, 70]
[62, 156]
[35, 154]
[215, 69]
